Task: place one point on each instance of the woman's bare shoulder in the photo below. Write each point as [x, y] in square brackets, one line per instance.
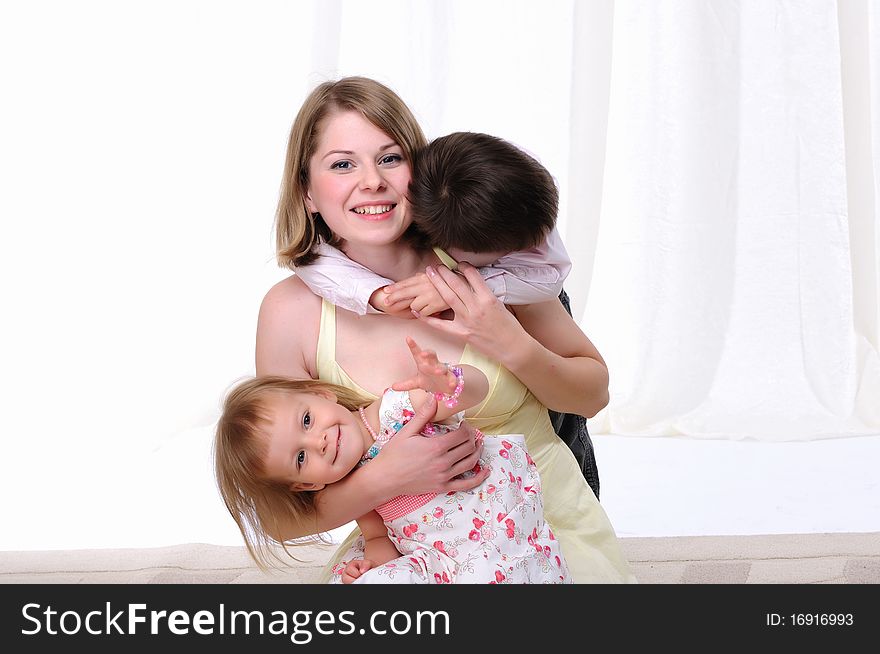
[287, 329]
[291, 292]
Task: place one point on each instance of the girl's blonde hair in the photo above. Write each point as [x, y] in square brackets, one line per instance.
[258, 504]
[297, 230]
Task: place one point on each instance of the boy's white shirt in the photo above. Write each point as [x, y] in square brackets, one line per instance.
[523, 277]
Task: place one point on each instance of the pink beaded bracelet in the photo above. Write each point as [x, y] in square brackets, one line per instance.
[452, 400]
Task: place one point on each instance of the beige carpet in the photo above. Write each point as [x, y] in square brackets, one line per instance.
[852, 558]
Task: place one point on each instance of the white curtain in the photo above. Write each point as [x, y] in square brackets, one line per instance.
[734, 289]
[718, 163]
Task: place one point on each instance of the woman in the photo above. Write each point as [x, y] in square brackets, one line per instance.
[345, 183]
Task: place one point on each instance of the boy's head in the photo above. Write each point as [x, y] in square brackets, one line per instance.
[479, 193]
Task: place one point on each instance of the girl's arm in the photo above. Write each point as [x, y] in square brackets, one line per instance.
[434, 377]
[540, 344]
[378, 547]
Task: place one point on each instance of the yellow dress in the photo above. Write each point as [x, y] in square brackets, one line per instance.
[588, 540]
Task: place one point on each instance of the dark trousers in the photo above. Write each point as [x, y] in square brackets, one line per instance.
[572, 429]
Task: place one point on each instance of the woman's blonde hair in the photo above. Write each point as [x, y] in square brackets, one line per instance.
[297, 230]
[255, 502]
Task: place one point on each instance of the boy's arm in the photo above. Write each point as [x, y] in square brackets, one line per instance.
[340, 280]
[527, 276]
[378, 547]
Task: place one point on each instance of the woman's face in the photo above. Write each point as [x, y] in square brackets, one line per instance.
[358, 178]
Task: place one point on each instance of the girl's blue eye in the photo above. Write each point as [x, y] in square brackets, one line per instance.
[390, 158]
[341, 165]
[307, 420]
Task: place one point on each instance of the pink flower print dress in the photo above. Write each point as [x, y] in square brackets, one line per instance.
[492, 534]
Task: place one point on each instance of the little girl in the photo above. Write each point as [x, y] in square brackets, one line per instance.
[279, 441]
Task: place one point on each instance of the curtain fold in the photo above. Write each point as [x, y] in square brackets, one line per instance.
[860, 52]
[592, 29]
[729, 269]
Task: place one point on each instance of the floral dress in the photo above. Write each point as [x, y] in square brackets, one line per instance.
[495, 533]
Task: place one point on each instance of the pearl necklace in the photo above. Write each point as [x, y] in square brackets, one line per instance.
[379, 440]
[367, 424]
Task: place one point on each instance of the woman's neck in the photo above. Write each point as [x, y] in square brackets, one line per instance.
[396, 261]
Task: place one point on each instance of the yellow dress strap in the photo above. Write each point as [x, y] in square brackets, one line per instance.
[448, 261]
[326, 354]
[329, 369]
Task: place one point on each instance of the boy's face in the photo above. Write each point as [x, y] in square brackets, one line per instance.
[311, 440]
[476, 259]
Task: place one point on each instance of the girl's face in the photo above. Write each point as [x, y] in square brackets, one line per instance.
[312, 441]
[358, 178]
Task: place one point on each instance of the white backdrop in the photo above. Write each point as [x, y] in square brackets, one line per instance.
[717, 163]
[734, 287]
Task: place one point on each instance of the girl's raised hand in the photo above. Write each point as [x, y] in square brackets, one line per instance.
[431, 375]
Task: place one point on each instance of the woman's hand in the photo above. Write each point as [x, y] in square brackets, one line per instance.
[413, 464]
[541, 344]
[480, 318]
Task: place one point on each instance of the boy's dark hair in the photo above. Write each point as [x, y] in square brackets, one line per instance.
[479, 193]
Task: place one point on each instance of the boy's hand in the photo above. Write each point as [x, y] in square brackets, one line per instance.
[431, 376]
[398, 309]
[354, 569]
[415, 293]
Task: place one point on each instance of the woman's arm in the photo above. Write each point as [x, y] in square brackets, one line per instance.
[541, 344]
[559, 361]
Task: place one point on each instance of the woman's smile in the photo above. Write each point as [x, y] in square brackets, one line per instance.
[371, 211]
